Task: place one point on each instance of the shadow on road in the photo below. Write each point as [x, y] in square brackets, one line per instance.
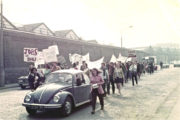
[55, 114]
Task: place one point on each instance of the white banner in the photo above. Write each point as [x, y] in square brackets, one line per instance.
[86, 57]
[113, 58]
[30, 54]
[75, 58]
[54, 48]
[78, 58]
[121, 58]
[95, 64]
[50, 55]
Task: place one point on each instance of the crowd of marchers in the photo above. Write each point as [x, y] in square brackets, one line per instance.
[110, 77]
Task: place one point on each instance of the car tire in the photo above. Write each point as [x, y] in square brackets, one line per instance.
[31, 111]
[22, 87]
[67, 107]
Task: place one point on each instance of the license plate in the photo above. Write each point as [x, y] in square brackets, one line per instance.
[37, 107]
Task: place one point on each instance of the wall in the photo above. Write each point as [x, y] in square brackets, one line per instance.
[16, 41]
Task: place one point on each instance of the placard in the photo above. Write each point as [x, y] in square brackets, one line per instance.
[30, 54]
[132, 53]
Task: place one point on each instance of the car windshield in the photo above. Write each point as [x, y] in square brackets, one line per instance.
[63, 78]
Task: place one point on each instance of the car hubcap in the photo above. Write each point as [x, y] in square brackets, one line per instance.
[68, 107]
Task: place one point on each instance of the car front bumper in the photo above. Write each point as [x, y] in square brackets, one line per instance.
[42, 106]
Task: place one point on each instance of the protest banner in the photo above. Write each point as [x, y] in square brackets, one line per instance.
[75, 58]
[113, 58]
[121, 58]
[86, 57]
[95, 64]
[30, 54]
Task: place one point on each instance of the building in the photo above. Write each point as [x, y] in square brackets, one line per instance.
[41, 37]
[67, 34]
[38, 28]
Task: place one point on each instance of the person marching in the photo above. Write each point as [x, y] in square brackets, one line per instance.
[111, 73]
[97, 90]
[133, 69]
[33, 79]
[118, 77]
[105, 76]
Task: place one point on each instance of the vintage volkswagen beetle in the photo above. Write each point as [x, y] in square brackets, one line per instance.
[63, 90]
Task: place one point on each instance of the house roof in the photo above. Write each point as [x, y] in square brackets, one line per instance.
[62, 33]
[32, 27]
[7, 23]
[92, 41]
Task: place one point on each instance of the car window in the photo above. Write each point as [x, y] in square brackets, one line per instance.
[79, 80]
[86, 78]
[63, 78]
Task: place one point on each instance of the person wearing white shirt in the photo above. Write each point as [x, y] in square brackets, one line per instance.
[133, 70]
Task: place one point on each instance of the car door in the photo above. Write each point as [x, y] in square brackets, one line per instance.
[87, 87]
[79, 89]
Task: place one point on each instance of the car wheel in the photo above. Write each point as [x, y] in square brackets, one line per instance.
[67, 107]
[31, 111]
[22, 87]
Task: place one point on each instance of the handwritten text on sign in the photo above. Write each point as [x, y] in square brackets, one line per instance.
[30, 54]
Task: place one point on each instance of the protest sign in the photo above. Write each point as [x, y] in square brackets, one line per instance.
[40, 59]
[54, 48]
[132, 53]
[30, 54]
[49, 55]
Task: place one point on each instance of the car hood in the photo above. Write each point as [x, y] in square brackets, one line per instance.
[44, 93]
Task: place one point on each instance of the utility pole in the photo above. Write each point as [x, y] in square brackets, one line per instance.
[122, 35]
[2, 71]
[121, 42]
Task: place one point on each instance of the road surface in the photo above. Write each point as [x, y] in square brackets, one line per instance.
[156, 97]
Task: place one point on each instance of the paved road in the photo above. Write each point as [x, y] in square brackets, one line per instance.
[155, 98]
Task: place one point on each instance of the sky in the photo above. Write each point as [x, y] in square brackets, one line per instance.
[152, 21]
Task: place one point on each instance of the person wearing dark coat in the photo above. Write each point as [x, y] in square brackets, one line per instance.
[34, 79]
[138, 70]
[111, 73]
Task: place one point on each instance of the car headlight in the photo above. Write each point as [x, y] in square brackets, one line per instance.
[28, 98]
[56, 98]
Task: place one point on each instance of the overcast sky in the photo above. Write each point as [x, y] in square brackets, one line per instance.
[153, 21]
